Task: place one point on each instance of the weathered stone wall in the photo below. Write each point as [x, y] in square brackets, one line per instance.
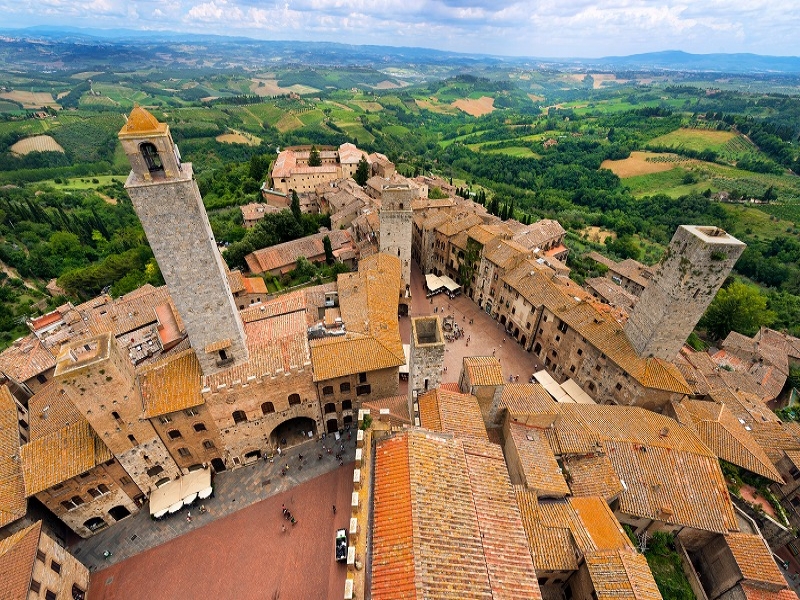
[426, 357]
[120, 492]
[395, 217]
[175, 221]
[199, 436]
[104, 390]
[694, 267]
[70, 570]
[717, 568]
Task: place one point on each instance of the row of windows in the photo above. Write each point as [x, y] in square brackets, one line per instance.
[330, 407]
[76, 501]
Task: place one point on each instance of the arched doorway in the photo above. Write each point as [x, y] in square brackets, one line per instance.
[218, 465]
[95, 524]
[119, 512]
[294, 431]
[332, 425]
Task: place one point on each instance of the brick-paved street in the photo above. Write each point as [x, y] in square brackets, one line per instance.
[485, 333]
[234, 491]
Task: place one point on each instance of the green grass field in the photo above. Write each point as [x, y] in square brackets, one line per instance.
[517, 151]
[695, 139]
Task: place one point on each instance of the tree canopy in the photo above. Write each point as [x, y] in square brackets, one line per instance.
[738, 307]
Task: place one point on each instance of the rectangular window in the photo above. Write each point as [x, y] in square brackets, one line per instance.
[50, 595]
[165, 420]
[55, 566]
[363, 390]
[618, 386]
[795, 473]
[191, 412]
[184, 452]
[35, 586]
[362, 378]
[124, 480]
[40, 556]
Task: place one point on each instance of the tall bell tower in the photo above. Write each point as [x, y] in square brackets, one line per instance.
[169, 205]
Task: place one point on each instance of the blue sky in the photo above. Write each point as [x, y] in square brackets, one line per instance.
[546, 28]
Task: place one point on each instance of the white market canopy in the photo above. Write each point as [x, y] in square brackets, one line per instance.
[178, 490]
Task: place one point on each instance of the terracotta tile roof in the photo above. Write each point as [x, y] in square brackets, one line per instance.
[451, 412]
[600, 525]
[446, 523]
[61, 455]
[614, 294]
[171, 385]
[755, 593]
[549, 535]
[754, 559]
[141, 122]
[12, 488]
[393, 558]
[619, 574]
[255, 285]
[482, 234]
[527, 398]
[504, 253]
[483, 370]
[396, 405]
[668, 473]
[539, 467]
[275, 346]
[462, 223]
[287, 253]
[286, 161]
[26, 358]
[608, 336]
[368, 302]
[593, 476]
[131, 311]
[726, 436]
[235, 281]
[257, 210]
[49, 411]
[17, 555]
[540, 234]
[280, 305]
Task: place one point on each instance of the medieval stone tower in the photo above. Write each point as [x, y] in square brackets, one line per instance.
[396, 215]
[425, 360]
[99, 379]
[168, 202]
[694, 267]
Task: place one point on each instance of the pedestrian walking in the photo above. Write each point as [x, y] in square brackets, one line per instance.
[494, 351]
[283, 528]
[334, 509]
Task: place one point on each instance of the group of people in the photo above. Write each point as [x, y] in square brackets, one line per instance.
[288, 516]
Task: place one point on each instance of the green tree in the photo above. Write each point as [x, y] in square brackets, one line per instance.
[738, 307]
[362, 171]
[298, 215]
[313, 157]
[326, 243]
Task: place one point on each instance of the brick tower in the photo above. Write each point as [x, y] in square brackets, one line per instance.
[694, 267]
[426, 359]
[395, 216]
[99, 379]
[168, 202]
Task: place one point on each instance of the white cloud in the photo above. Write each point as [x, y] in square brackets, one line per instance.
[534, 27]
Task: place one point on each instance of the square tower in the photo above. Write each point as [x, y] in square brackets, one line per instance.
[169, 205]
[395, 237]
[693, 268]
[425, 360]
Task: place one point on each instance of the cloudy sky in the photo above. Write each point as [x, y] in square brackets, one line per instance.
[545, 28]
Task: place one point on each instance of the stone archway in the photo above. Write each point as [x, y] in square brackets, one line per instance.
[294, 431]
[119, 512]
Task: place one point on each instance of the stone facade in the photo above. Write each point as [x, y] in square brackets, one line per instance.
[169, 205]
[191, 436]
[694, 267]
[352, 390]
[56, 570]
[426, 358]
[101, 383]
[395, 215]
[93, 500]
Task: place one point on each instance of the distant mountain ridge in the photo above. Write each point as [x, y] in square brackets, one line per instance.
[332, 53]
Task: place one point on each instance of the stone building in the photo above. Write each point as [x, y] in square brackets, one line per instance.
[631, 275]
[694, 267]
[70, 470]
[482, 377]
[101, 383]
[33, 565]
[291, 171]
[282, 258]
[425, 359]
[168, 203]
[395, 238]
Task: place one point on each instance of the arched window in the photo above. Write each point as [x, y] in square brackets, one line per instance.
[239, 416]
[327, 390]
[294, 399]
[151, 157]
[347, 405]
[199, 426]
[330, 407]
[267, 408]
[344, 388]
[174, 434]
[155, 470]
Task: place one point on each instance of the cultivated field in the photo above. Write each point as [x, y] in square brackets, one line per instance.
[433, 105]
[475, 107]
[643, 163]
[37, 143]
[695, 139]
[595, 234]
[238, 137]
[270, 87]
[288, 122]
[366, 105]
[31, 99]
